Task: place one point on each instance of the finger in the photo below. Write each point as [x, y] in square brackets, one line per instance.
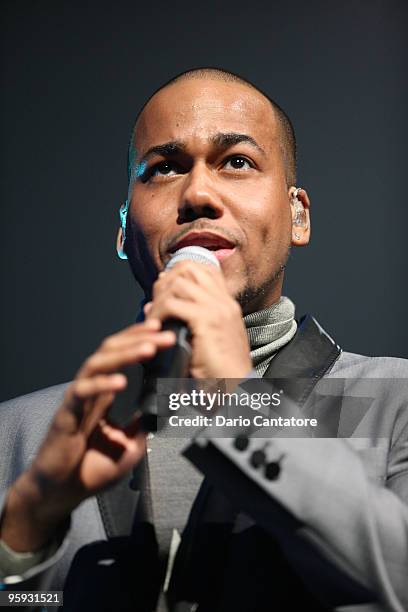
[207, 277]
[95, 412]
[115, 343]
[178, 308]
[103, 362]
[86, 388]
[81, 390]
[121, 449]
[198, 271]
[123, 435]
[80, 400]
[137, 328]
[187, 289]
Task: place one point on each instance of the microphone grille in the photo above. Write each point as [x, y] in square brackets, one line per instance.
[193, 253]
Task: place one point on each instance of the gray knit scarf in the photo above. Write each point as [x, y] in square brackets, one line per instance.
[268, 330]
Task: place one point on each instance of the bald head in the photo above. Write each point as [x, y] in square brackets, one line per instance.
[285, 131]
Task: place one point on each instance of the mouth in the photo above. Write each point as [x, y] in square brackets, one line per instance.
[221, 247]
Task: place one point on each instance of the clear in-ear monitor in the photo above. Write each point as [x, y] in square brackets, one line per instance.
[300, 218]
[123, 211]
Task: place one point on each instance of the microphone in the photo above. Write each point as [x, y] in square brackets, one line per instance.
[193, 253]
[172, 362]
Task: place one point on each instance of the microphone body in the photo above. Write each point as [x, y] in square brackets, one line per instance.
[172, 363]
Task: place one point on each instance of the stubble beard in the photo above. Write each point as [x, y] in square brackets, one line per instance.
[253, 298]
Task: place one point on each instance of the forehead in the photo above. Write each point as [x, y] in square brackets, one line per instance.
[197, 109]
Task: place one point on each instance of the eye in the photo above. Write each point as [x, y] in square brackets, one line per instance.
[164, 168]
[237, 162]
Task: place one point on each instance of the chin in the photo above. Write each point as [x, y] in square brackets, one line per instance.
[235, 288]
[252, 299]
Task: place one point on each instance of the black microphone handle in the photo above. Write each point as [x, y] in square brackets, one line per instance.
[172, 363]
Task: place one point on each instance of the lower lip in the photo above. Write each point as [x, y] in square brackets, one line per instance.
[222, 254]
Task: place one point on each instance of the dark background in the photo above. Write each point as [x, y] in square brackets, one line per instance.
[73, 75]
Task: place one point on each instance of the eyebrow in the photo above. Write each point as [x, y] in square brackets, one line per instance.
[222, 140]
[167, 148]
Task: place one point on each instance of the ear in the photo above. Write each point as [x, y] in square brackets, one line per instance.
[300, 209]
[120, 244]
[120, 240]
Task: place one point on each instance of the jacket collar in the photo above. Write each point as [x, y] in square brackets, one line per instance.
[301, 363]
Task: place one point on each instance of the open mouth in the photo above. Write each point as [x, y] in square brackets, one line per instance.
[222, 247]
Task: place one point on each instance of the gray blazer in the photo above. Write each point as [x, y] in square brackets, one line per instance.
[350, 495]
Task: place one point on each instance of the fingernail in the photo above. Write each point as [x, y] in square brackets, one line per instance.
[119, 379]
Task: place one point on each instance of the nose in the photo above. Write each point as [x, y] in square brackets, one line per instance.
[199, 197]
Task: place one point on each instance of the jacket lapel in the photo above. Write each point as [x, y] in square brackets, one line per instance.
[304, 360]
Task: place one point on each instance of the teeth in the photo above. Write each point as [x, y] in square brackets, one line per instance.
[211, 245]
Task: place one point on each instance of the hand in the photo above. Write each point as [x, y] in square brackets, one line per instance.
[81, 454]
[197, 294]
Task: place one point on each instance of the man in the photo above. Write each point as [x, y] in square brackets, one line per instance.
[212, 163]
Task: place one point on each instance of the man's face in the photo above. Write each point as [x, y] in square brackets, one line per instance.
[219, 182]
